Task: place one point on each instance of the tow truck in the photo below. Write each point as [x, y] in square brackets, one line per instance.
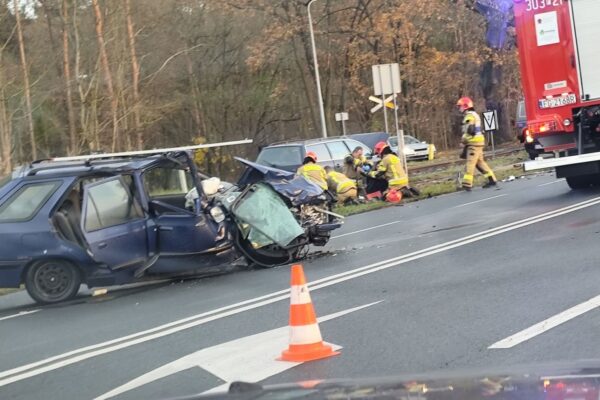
[560, 68]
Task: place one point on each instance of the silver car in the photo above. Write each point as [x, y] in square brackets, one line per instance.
[420, 150]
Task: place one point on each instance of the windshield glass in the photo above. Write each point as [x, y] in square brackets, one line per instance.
[280, 156]
[407, 140]
[268, 216]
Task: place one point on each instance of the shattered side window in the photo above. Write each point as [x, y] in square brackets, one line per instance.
[265, 212]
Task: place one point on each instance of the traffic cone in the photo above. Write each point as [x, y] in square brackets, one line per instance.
[306, 343]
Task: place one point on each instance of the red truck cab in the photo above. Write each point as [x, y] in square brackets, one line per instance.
[559, 51]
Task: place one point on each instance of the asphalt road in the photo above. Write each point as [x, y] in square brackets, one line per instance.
[476, 280]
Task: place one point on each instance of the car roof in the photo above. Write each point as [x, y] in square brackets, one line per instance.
[299, 142]
[46, 168]
[304, 142]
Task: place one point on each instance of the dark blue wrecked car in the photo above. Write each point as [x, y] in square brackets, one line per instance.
[111, 221]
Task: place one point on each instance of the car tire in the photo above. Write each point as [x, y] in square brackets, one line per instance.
[52, 281]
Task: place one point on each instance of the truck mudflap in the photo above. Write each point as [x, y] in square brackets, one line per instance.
[536, 165]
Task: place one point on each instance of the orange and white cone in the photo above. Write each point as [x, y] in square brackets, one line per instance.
[306, 343]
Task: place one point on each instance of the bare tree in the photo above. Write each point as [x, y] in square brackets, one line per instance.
[26, 86]
[135, 75]
[73, 143]
[5, 123]
[114, 101]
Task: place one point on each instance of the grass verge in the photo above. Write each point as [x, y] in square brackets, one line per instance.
[8, 291]
[444, 181]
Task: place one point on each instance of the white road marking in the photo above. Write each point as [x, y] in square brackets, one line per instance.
[552, 183]
[365, 230]
[22, 313]
[480, 201]
[547, 324]
[74, 356]
[251, 359]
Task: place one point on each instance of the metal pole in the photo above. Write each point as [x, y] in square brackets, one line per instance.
[385, 119]
[343, 127]
[317, 77]
[399, 132]
[493, 147]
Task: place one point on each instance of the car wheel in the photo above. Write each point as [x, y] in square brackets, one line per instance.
[52, 281]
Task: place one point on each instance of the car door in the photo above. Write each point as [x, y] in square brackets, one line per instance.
[182, 229]
[114, 224]
[339, 151]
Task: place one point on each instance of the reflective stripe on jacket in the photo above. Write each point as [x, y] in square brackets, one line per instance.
[471, 129]
[339, 182]
[314, 173]
[393, 171]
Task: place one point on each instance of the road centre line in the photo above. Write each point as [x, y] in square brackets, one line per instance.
[552, 183]
[480, 201]
[365, 230]
[21, 314]
[547, 324]
[74, 356]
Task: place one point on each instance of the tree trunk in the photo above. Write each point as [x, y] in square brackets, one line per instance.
[5, 129]
[114, 102]
[197, 108]
[135, 75]
[53, 44]
[26, 88]
[73, 145]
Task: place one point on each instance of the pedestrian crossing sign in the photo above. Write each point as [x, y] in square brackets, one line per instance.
[490, 120]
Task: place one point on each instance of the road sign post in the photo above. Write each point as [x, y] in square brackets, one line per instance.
[399, 132]
[342, 117]
[490, 125]
[378, 79]
[386, 80]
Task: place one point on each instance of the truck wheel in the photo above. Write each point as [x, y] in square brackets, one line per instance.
[52, 281]
[579, 182]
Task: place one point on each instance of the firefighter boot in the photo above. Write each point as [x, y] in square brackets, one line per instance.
[414, 191]
[490, 183]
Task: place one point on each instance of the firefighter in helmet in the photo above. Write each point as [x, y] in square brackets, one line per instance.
[312, 171]
[354, 164]
[473, 141]
[391, 170]
[345, 188]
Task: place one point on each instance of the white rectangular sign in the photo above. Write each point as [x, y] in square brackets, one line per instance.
[386, 79]
[343, 116]
[490, 121]
[546, 28]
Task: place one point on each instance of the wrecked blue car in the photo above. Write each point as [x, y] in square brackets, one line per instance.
[117, 220]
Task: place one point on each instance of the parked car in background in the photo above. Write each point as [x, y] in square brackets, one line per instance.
[330, 151]
[417, 150]
[289, 155]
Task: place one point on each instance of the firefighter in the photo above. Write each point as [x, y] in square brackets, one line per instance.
[391, 170]
[473, 141]
[355, 164]
[344, 187]
[312, 171]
